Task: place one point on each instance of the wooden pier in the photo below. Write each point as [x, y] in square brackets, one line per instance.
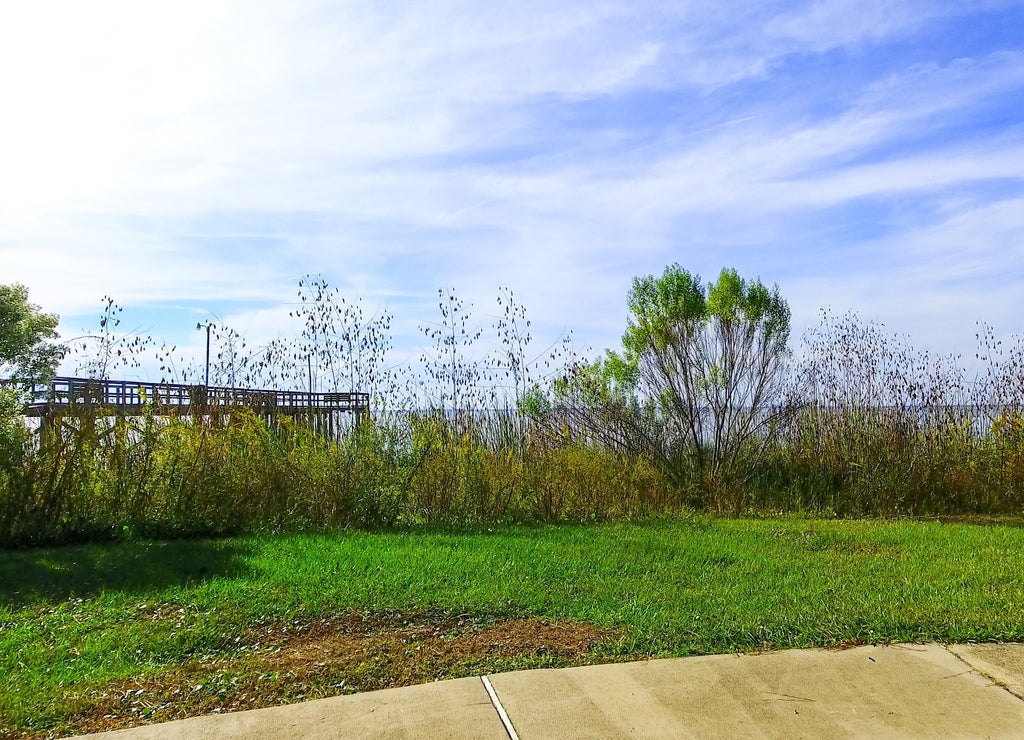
[134, 398]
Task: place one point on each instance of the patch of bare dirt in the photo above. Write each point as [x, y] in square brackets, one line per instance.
[282, 663]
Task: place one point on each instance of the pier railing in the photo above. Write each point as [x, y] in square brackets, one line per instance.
[133, 397]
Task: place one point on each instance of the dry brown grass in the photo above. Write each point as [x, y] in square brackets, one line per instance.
[281, 663]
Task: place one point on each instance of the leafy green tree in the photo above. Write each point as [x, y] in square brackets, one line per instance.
[699, 379]
[26, 356]
[27, 353]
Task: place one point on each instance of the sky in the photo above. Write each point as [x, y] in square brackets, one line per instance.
[194, 160]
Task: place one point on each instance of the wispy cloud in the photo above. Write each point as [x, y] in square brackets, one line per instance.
[209, 154]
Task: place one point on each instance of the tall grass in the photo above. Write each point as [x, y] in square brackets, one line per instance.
[90, 477]
[869, 425]
[865, 424]
[879, 427]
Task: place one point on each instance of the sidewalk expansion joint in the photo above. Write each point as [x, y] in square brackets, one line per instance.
[987, 671]
[500, 709]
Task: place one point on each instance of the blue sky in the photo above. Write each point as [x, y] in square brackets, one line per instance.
[195, 159]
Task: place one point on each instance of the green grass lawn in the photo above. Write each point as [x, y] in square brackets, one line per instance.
[76, 620]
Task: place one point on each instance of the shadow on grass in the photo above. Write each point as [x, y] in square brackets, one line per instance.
[85, 570]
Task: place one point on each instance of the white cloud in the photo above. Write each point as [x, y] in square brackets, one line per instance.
[827, 24]
[559, 148]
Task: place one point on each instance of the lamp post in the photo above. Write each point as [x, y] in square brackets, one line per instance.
[208, 326]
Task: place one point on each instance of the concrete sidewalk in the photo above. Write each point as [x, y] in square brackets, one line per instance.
[898, 691]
